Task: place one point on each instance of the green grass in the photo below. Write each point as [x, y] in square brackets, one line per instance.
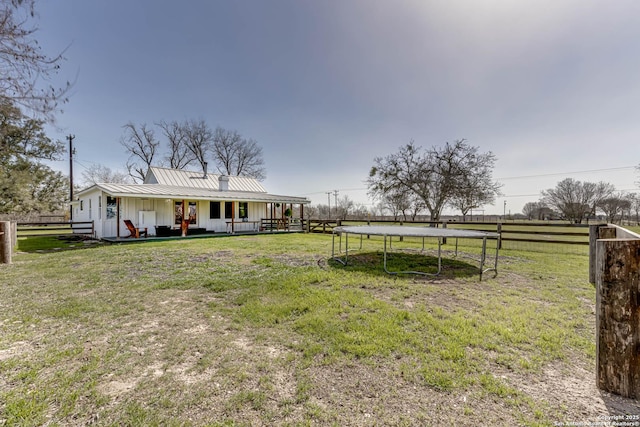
[51, 243]
[252, 330]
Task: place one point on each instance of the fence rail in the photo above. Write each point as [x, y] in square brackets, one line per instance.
[35, 229]
[553, 233]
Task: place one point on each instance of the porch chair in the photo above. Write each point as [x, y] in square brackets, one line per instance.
[134, 231]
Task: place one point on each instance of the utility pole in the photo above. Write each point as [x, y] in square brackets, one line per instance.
[335, 194]
[71, 152]
[329, 202]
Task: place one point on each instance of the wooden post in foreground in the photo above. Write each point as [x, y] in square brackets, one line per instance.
[618, 316]
[5, 242]
[597, 231]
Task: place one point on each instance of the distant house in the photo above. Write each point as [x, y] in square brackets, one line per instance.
[169, 199]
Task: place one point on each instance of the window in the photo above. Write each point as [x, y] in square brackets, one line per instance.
[191, 212]
[90, 209]
[178, 212]
[214, 210]
[228, 209]
[99, 207]
[111, 207]
[81, 205]
[243, 210]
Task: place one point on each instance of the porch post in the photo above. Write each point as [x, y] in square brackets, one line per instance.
[117, 216]
[233, 216]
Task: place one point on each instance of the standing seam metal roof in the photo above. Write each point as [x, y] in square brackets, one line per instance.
[158, 191]
[192, 179]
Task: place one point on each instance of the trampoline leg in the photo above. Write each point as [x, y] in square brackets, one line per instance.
[333, 249]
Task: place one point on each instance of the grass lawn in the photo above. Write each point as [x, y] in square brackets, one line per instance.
[266, 330]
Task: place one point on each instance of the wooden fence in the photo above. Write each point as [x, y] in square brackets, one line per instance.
[553, 233]
[35, 229]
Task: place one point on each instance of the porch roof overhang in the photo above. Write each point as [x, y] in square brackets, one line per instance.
[158, 191]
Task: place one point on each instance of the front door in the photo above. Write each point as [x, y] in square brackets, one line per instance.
[109, 226]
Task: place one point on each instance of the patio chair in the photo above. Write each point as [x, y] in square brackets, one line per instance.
[134, 231]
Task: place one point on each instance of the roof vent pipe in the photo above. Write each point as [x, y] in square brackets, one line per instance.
[223, 183]
[204, 166]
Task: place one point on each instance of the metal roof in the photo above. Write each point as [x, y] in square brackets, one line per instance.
[192, 179]
[158, 191]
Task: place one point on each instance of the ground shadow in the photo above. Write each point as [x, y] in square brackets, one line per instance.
[621, 406]
[372, 263]
[48, 244]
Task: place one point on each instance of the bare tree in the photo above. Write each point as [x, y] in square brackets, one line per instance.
[199, 139]
[437, 176]
[345, 204]
[614, 206]
[100, 173]
[237, 156]
[475, 187]
[576, 200]
[179, 155]
[311, 211]
[23, 65]
[360, 211]
[634, 200]
[532, 210]
[402, 201]
[142, 146]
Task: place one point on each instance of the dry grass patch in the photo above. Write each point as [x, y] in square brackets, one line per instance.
[247, 331]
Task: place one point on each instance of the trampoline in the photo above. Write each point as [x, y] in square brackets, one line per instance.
[421, 232]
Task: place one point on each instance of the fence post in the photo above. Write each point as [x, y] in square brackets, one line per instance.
[444, 226]
[597, 231]
[499, 231]
[618, 316]
[5, 242]
[14, 235]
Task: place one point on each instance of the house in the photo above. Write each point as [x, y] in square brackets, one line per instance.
[171, 199]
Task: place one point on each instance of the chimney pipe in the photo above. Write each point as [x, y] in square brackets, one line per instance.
[204, 166]
[223, 183]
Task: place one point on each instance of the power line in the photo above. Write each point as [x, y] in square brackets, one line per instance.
[566, 173]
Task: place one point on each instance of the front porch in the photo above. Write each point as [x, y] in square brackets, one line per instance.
[199, 235]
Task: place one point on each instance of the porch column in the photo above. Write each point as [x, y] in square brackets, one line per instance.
[233, 216]
[117, 216]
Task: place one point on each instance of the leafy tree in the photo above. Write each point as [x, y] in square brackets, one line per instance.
[438, 176]
[26, 184]
[25, 68]
[576, 200]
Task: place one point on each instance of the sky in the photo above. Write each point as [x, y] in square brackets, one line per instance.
[552, 88]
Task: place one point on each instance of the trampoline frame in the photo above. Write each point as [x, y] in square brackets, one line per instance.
[422, 232]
